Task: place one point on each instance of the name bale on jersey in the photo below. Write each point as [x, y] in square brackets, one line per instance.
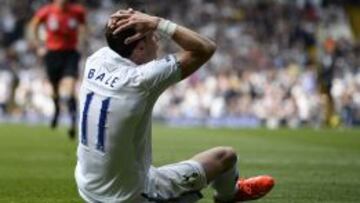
[103, 77]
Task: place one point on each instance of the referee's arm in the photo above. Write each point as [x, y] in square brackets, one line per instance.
[34, 31]
[83, 31]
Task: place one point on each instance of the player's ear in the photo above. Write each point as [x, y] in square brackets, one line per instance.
[138, 54]
[140, 47]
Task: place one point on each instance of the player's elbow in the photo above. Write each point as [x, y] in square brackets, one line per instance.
[210, 48]
[33, 27]
[203, 54]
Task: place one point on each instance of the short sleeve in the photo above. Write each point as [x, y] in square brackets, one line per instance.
[161, 73]
[42, 13]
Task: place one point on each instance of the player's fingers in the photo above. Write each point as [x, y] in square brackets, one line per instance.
[111, 23]
[119, 16]
[123, 11]
[122, 14]
[123, 27]
[121, 22]
[133, 38]
[129, 10]
[114, 23]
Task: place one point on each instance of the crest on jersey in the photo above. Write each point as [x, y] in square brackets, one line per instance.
[110, 68]
[53, 23]
[189, 180]
[72, 23]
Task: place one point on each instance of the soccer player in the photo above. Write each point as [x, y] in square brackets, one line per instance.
[64, 22]
[120, 87]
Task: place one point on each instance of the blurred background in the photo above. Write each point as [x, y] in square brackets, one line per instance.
[279, 63]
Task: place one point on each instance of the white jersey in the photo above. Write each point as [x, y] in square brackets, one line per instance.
[116, 101]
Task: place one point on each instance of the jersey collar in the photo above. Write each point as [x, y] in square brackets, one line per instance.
[119, 58]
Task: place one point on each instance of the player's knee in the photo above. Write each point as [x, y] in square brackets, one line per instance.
[66, 92]
[67, 86]
[227, 156]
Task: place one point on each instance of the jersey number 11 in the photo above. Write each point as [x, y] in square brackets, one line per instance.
[100, 144]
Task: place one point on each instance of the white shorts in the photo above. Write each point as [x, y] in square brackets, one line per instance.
[174, 183]
[179, 182]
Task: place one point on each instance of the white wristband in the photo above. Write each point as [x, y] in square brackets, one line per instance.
[166, 27]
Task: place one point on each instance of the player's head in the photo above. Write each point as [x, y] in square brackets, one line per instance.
[140, 51]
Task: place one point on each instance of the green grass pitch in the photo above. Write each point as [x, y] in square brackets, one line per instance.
[37, 164]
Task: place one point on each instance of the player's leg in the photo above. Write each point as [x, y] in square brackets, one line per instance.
[68, 87]
[220, 166]
[53, 63]
[67, 95]
[56, 100]
[177, 183]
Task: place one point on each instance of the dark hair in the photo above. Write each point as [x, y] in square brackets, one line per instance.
[117, 42]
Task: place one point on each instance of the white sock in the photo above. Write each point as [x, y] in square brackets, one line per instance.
[225, 184]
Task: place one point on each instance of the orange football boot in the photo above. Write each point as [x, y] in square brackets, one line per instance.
[253, 188]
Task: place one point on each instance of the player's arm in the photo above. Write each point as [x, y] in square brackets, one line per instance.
[83, 29]
[34, 31]
[39, 17]
[197, 49]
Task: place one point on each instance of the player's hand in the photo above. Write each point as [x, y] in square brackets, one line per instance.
[113, 19]
[41, 51]
[37, 48]
[141, 22]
